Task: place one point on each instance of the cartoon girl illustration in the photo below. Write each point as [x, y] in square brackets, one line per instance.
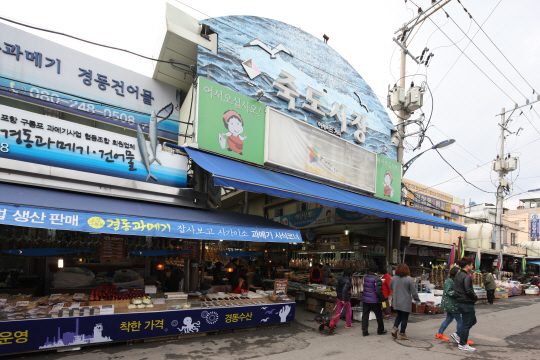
[234, 123]
[388, 178]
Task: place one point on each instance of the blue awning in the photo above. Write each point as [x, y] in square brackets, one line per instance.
[53, 209]
[238, 175]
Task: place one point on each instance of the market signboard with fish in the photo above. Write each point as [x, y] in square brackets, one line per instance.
[34, 138]
[230, 124]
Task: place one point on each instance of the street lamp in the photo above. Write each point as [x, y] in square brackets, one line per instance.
[440, 145]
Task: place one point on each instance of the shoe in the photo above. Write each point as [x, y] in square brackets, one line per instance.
[466, 347]
[394, 331]
[402, 336]
[349, 327]
[455, 337]
[387, 316]
[365, 334]
[469, 342]
[383, 332]
[441, 337]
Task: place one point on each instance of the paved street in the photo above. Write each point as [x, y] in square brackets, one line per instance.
[508, 329]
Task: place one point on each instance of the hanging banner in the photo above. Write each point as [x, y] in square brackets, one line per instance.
[40, 139]
[388, 179]
[320, 216]
[48, 74]
[129, 225]
[301, 148]
[535, 226]
[229, 124]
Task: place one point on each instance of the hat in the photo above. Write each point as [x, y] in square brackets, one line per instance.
[230, 113]
[389, 174]
[483, 271]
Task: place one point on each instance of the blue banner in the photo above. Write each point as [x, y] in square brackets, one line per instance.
[535, 223]
[142, 226]
[48, 334]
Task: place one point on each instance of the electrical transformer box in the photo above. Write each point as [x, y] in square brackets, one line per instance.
[396, 98]
[414, 99]
[510, 164]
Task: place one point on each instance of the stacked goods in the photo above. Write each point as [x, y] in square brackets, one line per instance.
[478, 279]
[141, 303]
[437, 276]
[110, 293]
[357, 286]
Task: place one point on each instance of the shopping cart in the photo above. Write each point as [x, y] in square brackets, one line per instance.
[325, 319]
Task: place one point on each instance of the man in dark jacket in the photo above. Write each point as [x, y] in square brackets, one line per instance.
[344, 298]
[372, 299]
[465, 298]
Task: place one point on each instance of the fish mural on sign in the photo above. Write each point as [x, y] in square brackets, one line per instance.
[155, 119]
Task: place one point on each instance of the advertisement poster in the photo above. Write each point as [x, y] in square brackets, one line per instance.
[535, 222]
[40, 139]
[112, 247]
[48, 74]
[302, 148]
[388, 179]
[230, 124]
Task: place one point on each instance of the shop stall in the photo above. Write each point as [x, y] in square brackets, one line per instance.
[113, 276]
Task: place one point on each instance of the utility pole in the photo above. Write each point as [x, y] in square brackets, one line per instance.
[403, 114]
[396, 224]
[500, 199]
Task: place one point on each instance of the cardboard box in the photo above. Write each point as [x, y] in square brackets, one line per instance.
[315, 308]
[329, 306]
[312, 301]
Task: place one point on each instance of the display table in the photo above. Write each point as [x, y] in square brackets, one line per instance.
[131, 324]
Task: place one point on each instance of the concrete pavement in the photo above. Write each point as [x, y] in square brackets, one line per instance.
[508, 329]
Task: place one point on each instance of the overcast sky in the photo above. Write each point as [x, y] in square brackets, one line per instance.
[466, 97]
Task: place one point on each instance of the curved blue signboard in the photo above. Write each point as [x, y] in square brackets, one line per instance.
[300, 76]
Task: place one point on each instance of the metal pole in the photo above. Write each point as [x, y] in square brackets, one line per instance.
[499, 211]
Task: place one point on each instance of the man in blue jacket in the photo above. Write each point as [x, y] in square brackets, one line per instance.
[372, 299]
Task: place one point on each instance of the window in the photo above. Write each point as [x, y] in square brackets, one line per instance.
[512, 239]
[301, 206]
[493, 247]
[436, 228]
[278, 212]
[447, 218]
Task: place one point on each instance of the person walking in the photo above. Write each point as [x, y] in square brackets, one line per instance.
[403, 291]
[449, 305]
[343, 290]
[372, 299]
[386, 279]
[466, 298]
[490, 286]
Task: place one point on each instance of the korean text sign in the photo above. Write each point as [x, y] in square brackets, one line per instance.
[129, 225]
[43, 72]
[230, 124]
[45, 140]
[388, 179]
[53, 333]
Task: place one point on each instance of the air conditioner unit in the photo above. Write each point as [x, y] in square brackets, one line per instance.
[510, 164]
[396, 98]
[414, 99]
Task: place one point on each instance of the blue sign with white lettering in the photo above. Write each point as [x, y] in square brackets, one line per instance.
[54, 333]
[142, 226]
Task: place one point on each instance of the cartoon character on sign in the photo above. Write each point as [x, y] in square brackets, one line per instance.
[234, 123]
[284, 312]
[189, 326]
[388, 178]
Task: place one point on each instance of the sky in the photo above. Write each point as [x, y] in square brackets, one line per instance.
[498, 68]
